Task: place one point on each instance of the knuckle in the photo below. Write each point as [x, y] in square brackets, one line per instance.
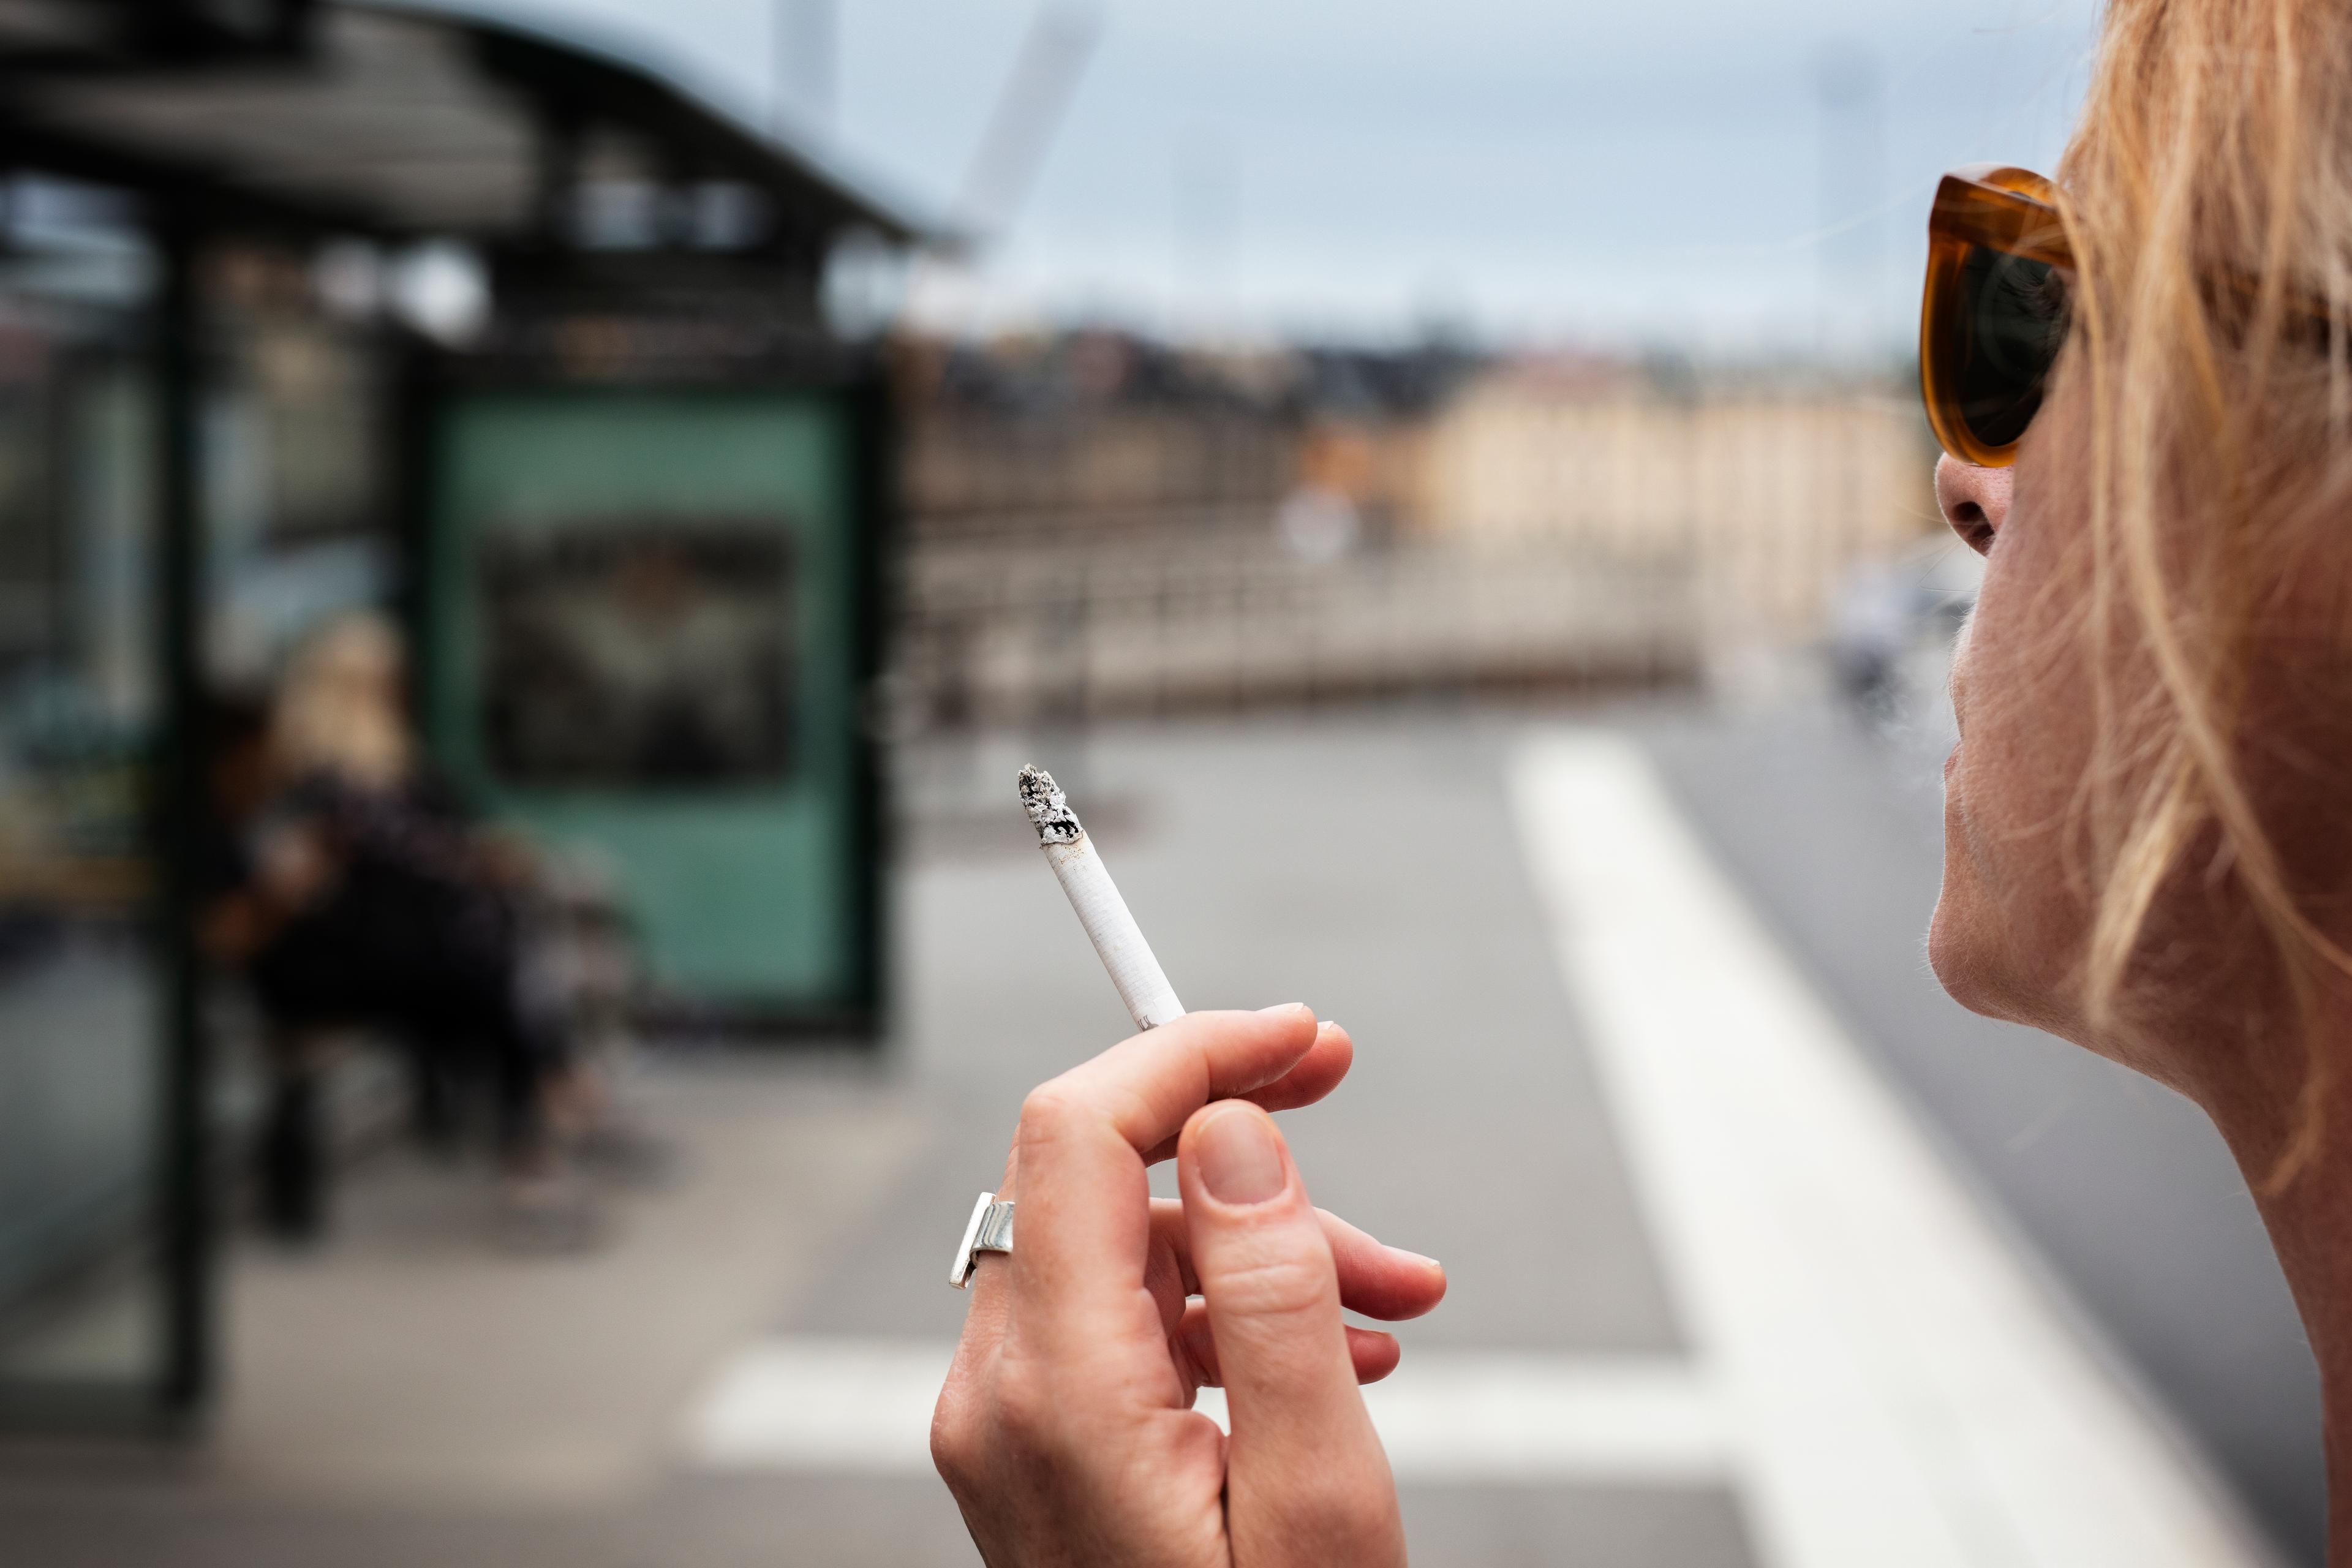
[956, 1445]
[1278, 1285]
[1126, 1105]
[975, 1430]
[1046, 1111]
[1332, 1508]
[1026, 1410]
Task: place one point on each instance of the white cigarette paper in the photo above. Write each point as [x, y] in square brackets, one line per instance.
[1117, 940]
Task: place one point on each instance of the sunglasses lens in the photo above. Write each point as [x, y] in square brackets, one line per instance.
[2012, 317]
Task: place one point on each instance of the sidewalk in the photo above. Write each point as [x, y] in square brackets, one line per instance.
[742, 1377]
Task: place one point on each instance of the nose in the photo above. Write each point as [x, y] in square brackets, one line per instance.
[1974, 501]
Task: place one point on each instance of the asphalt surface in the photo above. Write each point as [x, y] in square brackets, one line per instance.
[1369, 865]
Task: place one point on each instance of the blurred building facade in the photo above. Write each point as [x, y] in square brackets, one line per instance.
[1100, 525]
[1766, 493]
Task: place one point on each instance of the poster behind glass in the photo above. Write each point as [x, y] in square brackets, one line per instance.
[640, 652]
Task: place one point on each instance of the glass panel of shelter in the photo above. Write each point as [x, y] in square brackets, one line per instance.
[81, 1012]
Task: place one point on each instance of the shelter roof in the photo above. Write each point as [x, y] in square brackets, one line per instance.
[380, 118]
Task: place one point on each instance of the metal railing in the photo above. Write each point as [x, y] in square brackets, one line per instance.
[1021, 624]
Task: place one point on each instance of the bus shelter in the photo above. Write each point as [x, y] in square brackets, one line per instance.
[307, 305]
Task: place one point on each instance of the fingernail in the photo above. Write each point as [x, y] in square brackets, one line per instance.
[1283, 1007]
[1418, 1258]
[1333, 1025]
[1240, 1162]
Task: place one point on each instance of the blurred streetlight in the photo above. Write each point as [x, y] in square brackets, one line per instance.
[1028, 112]
[1848, 86]
[1012, 146]
[808, 49]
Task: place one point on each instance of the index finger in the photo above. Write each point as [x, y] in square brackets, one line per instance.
[1084, 1217]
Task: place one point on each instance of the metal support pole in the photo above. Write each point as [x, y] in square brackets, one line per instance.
[876, 539]
[183, 1208]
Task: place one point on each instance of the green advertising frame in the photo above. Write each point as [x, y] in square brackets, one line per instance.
[752, 881]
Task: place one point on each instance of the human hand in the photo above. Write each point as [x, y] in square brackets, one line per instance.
[1065, 1429]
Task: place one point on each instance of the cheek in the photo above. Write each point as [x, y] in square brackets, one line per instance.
[1964, 945]
[2007, 927]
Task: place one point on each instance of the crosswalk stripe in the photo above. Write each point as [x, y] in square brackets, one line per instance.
[817, 1403]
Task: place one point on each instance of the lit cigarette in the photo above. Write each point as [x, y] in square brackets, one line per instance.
[1118, 941]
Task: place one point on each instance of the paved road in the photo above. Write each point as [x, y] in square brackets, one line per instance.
[1371, 866]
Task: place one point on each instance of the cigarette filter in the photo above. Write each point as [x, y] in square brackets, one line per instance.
[1118, 941]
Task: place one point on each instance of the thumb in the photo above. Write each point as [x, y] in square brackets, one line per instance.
[1305, 1480]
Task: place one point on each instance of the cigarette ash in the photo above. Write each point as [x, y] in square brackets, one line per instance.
[1048, 808]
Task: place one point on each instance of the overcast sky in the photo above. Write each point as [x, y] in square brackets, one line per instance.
[1529, 169]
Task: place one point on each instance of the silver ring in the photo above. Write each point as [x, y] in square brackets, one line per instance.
[990, 1229]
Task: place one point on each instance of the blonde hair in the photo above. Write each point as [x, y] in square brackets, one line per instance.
[338, 705]
[2208, 194]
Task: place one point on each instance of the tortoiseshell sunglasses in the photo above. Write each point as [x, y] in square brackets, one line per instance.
[1999, 272]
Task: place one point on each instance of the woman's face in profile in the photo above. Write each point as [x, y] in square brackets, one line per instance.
[2011, 922]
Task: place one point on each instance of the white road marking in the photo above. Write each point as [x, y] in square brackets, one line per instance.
[1631, 1420]
[810, 1403]
[1900, 1390]
[816, 1403]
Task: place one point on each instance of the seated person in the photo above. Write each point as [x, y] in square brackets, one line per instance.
[352, 889]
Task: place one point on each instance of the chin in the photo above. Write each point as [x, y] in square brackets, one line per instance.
[1956, 953]
[1968, 949]
[1971, 949]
